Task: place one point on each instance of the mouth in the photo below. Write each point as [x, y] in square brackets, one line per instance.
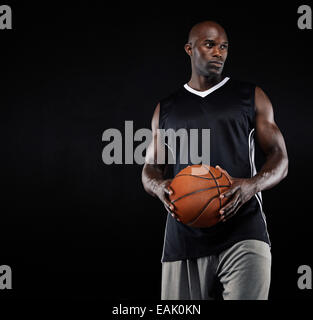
[216, 63]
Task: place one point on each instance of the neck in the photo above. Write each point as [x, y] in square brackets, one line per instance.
[202, 83]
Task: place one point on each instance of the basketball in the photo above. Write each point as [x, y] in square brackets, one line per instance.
[196, 191]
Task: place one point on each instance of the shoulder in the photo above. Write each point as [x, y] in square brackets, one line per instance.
[172, 96]
[263, 104]
[163, 106]
[243, 84]
[167, 103]
[252, 89]
[243, 90]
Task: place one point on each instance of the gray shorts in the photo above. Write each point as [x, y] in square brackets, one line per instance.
[241, 272]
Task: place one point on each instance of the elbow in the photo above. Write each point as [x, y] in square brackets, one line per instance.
[145, 181]
[143, 178]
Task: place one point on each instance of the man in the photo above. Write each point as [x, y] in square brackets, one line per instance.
[231, 260]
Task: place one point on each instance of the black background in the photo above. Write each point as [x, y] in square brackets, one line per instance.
[75, 228]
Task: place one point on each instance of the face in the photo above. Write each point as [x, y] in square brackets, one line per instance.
[208, 51]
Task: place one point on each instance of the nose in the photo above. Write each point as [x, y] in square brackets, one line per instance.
[216, 52]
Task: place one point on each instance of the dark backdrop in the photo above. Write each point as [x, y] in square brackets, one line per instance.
[73, 227]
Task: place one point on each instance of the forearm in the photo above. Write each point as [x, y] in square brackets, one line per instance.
[152, 177]
[272, 172]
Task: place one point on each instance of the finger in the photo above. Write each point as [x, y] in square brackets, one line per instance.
[171, 209]
[231, 215]
[235, 202]
[167, 209]
[224, 171]
[168, 190]
[173, 214]
[232, 210]
[168, 204]
[229, 192]
[229, 205]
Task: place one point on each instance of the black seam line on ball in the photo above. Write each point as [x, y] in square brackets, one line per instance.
[191, 175]
[201, 211]
[199, 190]
[218, 189]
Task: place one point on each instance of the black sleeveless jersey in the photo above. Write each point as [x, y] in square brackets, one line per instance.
[227, 109]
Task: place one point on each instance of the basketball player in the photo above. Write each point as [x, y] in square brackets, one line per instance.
[231, 260]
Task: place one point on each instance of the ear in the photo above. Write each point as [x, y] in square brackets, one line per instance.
[188, 48]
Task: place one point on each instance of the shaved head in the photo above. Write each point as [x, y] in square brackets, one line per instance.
[207, 47]
[203, 29]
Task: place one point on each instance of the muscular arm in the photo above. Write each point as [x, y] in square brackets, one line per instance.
[275, 167]
[271, 142]
[153, 172]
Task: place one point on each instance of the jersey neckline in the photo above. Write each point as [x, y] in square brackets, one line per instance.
[203, 94]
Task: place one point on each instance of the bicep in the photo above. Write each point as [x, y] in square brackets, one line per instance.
[156, 152]
[268, 134]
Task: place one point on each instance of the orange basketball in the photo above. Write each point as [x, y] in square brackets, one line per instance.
[196, 191]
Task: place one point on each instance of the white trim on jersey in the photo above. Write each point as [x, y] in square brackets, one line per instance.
[254, 171]
[164, 239]
[206, 92]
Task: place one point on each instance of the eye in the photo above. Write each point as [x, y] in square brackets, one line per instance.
[209, 44]
[224, 46]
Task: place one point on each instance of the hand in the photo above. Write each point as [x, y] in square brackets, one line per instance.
[241, 191]
[163, 193]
